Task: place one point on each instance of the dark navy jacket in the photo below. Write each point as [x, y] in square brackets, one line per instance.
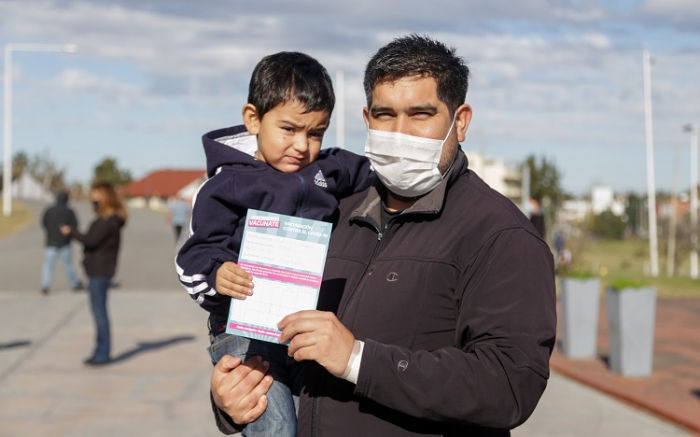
[237, 182]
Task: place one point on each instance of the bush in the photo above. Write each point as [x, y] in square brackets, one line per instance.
[608, 226]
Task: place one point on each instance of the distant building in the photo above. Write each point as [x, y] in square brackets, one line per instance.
[26, 187]
[154, 190]
[505, 178]
[602, 199]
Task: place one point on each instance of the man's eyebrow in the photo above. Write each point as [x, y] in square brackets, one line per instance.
[423, 108]
[376, 109]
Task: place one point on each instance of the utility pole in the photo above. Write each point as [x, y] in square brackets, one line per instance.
[340, 109]
[693, 129]
[651, 186]
[671, 254]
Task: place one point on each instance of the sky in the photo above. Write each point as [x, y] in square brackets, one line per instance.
[557, 79]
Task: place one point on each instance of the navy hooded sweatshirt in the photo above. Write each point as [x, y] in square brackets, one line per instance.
[237, 182]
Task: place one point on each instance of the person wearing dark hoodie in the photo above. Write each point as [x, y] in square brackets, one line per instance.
[101, 248]
[273, 163]
[58, 245]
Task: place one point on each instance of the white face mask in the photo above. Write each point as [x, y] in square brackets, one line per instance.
[406, 165]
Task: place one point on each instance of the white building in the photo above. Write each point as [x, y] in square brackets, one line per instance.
[26, 187]
[499, 175]
[603, 198]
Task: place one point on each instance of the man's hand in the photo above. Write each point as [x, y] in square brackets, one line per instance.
[65, 230]
[233, 281]
[318, 336]
[240, 390]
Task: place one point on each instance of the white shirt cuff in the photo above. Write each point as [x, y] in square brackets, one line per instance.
[352, 370]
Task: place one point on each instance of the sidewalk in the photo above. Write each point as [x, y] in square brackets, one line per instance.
[673, 390]
[160, 382]
[158, 387]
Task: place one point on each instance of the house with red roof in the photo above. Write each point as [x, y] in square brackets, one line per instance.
[154, 190]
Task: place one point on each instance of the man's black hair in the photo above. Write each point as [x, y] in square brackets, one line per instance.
[415, 55]
[287, 76]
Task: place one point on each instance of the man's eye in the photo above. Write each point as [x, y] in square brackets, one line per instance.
[288, 129]
[316, 135]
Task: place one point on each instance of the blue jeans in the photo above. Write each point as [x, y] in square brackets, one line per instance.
[65, 254]
[97, 287]
[280, 417]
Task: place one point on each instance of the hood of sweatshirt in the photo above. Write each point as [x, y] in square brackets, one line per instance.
[231, 145]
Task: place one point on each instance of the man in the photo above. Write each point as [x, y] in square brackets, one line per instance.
[58, 245]
[178, 215]
[441, 290]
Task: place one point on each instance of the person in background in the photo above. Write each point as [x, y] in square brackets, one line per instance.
[101, 247]
[537, 216]
[58, 245]
[178, 215]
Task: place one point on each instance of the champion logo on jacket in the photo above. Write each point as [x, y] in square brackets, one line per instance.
[320, 180]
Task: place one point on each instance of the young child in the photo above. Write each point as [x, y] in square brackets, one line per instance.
[273, 163]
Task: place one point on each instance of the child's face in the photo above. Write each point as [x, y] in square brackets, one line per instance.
[288, 139]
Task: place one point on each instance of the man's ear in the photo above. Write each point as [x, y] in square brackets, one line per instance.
[251, 119]
[462, 119]
[365, 115]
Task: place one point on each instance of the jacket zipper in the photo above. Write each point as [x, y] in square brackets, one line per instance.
[300, 200]
[368, 271]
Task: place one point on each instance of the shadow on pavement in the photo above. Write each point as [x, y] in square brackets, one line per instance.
[13, 344]
[146, 346]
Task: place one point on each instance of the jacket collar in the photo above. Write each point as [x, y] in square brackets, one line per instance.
[431, 203]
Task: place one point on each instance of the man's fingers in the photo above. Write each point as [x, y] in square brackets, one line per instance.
[226, 364]
[256, 412]
[299, 315]
[260, 406]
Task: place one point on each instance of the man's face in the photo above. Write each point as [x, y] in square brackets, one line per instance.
[288, 138]
[411, 106]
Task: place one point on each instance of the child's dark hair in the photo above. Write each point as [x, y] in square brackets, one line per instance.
[287, 76]
[415, 55]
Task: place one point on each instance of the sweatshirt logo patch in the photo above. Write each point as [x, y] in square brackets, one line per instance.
[320, 180]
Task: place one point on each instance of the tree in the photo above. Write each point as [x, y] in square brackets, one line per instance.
[545, 183]
[42, 168]
[608, 226]
[108, 171]
[634, 211]
[19, 163]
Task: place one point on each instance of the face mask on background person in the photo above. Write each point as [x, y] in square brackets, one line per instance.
[406, 165]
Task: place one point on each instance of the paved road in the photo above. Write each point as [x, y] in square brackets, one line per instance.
[159, 385]
[145, 262]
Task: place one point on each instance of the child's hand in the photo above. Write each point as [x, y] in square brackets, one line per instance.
[233, 281]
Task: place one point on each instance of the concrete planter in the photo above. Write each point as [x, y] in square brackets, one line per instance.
[631, 314]
[579, 312]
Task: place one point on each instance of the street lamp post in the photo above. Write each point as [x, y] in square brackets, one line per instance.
[693, 129]
[651, 186]
[7, 113]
